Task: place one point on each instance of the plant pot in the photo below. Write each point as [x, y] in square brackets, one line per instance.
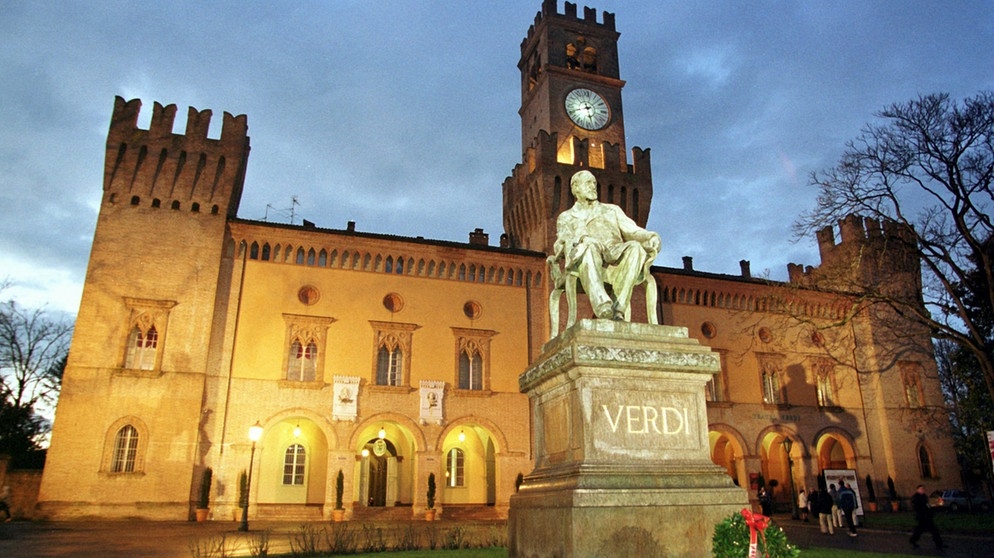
[337, 515]
[201, 514]
[430, 515]
[895, 505]
[872, 506]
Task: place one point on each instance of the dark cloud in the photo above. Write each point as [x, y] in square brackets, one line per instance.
[403, 116]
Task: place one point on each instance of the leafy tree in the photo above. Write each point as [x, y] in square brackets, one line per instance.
[927, 167]
[33, 353]
[971, 411]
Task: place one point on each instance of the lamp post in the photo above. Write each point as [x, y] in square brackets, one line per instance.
[787, 444]
[255, 434]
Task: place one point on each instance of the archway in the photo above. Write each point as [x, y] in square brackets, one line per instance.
[726, 452]
[384, 468]
[780, 469]
[293, 467]
[469, 466]
[834, 451]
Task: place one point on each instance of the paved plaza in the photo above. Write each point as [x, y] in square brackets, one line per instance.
[161, 539]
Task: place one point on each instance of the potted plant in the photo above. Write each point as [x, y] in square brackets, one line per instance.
[242, 493]
[338, 514]
[871, 496]
[895, 500]
[204, 498]
[430, 510]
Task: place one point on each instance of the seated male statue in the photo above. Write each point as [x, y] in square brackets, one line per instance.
[600, 244]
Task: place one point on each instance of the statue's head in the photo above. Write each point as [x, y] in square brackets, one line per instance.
[584, 185]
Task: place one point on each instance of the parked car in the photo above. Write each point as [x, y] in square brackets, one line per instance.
[956, 500]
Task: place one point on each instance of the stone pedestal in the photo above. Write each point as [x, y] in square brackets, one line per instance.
[620, 434]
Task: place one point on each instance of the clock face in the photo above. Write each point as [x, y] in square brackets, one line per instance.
[587, 109]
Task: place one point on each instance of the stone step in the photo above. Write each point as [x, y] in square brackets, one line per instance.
[290, 512]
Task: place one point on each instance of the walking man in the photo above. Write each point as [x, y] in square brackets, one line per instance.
[924, 520]
[847, 503]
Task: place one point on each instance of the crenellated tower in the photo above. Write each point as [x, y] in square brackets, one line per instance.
[870, 257]
[571, 119]
[155, 311]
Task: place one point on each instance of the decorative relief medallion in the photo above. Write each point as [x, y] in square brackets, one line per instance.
[308, 295]
[472, 309]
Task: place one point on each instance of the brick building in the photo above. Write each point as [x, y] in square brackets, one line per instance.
[392, 358]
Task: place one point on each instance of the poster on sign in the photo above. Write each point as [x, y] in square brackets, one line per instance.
[833, 476]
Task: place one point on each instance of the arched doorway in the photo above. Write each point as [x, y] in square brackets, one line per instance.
[726, 452]
[292, 463]
[378, 480]
[834, 452]
[469, 470]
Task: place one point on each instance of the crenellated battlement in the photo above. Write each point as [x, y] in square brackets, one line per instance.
[550, 9]
[867, 251]
[184, 171]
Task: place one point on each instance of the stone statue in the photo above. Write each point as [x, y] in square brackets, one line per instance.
[601, 245]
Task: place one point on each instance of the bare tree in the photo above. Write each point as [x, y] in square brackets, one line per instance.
[928, 169]
[33, 347]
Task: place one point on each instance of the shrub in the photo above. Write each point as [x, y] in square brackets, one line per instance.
[731, 540]
[205, 489]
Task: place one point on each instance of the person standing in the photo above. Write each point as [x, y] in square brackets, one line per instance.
[765, 502]
[924, 520]
[824, 507]
[836, 512]
[802, 504]
[847, 503]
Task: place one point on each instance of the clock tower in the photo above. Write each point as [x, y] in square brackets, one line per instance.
[571, 119]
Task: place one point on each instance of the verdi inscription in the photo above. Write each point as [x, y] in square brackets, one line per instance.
[647, 424]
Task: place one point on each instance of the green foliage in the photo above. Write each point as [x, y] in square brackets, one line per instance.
[731, 540]
[243, 489]
[871, 496]
[891, 491]
[339, 489]
[431, 491]
[204, 499]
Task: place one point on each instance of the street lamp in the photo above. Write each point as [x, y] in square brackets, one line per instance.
[787, 444]
[255, 434]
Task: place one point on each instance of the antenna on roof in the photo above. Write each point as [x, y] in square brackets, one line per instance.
[286, 213]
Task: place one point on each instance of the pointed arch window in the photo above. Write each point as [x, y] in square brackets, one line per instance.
[911, 379]
[455, 465]
[392, 350]
[925, 463]
[125, 450]
[771, 371]
[825, 372]
[473, 358]
[294, 465]
[302, 364]
[146, 327]
[304, 349]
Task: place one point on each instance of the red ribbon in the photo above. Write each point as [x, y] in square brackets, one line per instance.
[757, 522]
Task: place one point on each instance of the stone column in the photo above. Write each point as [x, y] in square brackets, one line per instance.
[619, 423]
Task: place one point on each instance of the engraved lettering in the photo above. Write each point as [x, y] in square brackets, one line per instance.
[633, 419]
[617, 418]
[646, 411]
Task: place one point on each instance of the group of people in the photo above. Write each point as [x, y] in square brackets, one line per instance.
[830, 508]
[833, 506]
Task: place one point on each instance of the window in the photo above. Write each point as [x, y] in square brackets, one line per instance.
[911, 379]
[825, 372]
[715, 390]
[293, 465]
[470, 367]
[142, 348]
[125, 450]
[302, 364]
[473, 358]
[454, 468]
[146, 327]
[771, 367]
[925, 463]
[392, 350]
[389, 364]
[305, 348]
